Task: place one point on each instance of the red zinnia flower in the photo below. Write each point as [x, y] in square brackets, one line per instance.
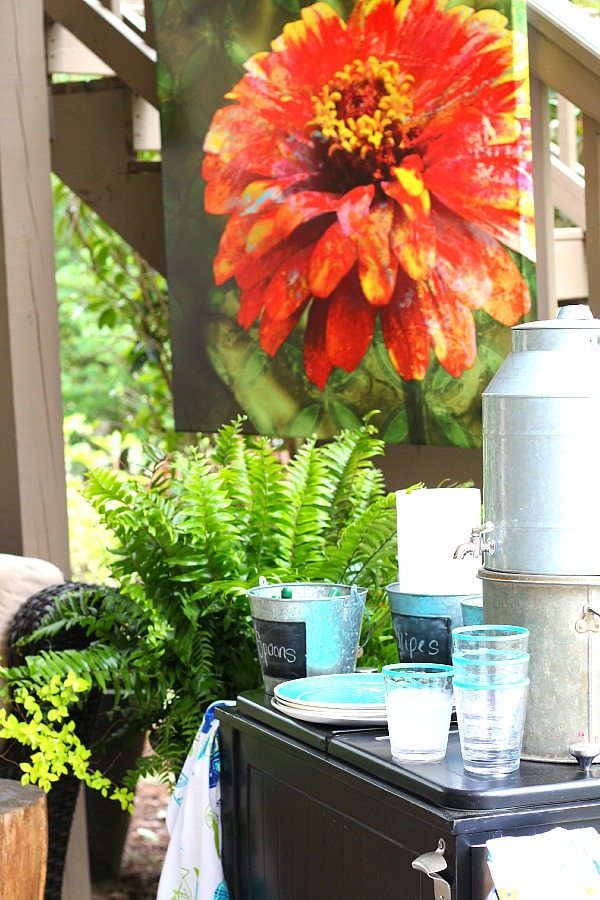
[376, 167]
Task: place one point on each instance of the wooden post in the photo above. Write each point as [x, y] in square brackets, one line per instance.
[591, 161]
[33, 513]
[23, 841]
[544, 206]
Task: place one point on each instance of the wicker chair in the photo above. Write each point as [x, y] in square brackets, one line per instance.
[63, 796]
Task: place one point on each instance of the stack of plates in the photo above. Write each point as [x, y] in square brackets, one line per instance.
[357, 698]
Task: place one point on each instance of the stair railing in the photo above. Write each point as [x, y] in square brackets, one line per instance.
[564, 54]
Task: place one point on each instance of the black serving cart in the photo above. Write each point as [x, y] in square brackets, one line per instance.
[314, 812]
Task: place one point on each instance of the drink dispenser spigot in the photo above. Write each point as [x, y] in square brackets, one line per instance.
[477, 544]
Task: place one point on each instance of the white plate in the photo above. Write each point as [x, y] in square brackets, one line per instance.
[355, 690]
[327, 717]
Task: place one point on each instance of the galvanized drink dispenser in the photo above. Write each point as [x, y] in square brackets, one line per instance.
[541, 537]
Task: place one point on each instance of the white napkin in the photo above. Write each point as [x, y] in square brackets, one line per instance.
[561, 864]
[192, 866]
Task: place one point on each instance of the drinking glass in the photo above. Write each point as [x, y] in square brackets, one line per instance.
[418, 701]
[490, 637]
[491, 718]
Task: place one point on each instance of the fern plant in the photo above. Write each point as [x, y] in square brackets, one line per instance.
[193, 534]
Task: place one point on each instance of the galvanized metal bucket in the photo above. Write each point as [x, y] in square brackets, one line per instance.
[423, 624]
[472, 610]
[563, 616]
[314, 630]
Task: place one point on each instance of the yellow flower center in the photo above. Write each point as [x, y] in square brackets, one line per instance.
[365, 113]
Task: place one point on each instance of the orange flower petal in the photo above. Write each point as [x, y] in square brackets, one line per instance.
[372, 27]
[224, 188]
[413, 242]
[273, 332]
[404, 331]
[251, 303]
[467, 51]
[350, 325]
[354, 208]
[450, 325]
[317, 364]
[332, 258]
[288, 289]
[273, 227]
[252, 269]
[377, 265]
[478, 272]
[232, 248]
[312, 48]
[241, 139]
[474, 170]
[510, 299]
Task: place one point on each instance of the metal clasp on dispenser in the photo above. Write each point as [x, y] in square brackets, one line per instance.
[431, 864]
[477, 545]
[589, 620]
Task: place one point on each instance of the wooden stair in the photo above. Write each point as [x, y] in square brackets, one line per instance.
[85, 38]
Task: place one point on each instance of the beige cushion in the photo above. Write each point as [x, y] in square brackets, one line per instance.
[20, 577]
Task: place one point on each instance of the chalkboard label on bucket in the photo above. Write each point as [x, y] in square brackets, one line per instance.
[423, 639]
[281, 648]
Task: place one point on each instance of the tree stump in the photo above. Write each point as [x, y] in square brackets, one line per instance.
[23, 841]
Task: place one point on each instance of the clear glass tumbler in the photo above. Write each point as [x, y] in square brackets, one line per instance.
[418, 700]
[491, 719]
[487, 667]
[490, 637]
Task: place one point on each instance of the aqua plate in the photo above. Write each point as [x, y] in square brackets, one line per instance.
[355, 690]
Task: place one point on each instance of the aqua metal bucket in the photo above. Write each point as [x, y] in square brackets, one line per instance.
[472, 610]
[423, 624]
[315, 631]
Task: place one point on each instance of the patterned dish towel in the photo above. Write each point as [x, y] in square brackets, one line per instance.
[560, 864]
[192, 868]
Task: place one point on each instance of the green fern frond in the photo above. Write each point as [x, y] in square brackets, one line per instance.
[304, 516]
[227, 442]
[231, 454]
[82, 606]
[104, 666]
[207, 520]
[268, 500]
[350, 453]
[367, 543]
[369, 484]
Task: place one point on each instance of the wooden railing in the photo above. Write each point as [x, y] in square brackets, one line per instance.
[105, 37]
[564, 54]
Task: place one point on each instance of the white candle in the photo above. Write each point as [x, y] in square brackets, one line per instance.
[431, 525]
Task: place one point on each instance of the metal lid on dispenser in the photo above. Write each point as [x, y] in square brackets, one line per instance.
[551, 358]
[574, 328]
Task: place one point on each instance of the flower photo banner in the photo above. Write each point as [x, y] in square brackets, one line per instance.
[349, 211]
